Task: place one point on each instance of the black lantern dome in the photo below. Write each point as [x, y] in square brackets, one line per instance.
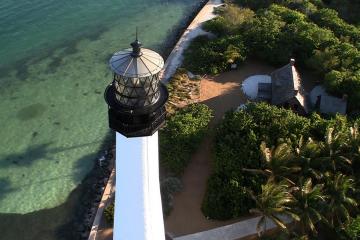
[136, 96]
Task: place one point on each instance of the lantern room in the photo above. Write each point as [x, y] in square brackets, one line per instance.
[136, 97]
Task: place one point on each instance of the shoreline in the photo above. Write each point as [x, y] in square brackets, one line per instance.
[174, 58]
[85, 197]
[193, 30]
[192, 24]
[180, 42]
[175, 34]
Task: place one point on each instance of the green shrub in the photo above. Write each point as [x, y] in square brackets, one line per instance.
[237, 142]
[348, 10]
[307, 7]
[169, 186]
[213, 56]
[329, 18]
[353, 229]
[237, 146]
[263, 36]
[288, 15]
[182, 134]
[227, 198]
[216, 26]
[109, 213]
[229, 21]
[255, 4]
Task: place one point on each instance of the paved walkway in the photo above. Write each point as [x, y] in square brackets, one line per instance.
[194, 30]
[231, 232]
[98, 231]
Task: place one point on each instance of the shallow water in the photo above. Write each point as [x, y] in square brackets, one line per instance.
[53, 71]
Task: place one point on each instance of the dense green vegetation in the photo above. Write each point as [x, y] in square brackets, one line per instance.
[214, 56]
[347, 9]
[269, 160]
[272, 161]
[315, 36]
[181, 136]
[109, 213]
[353, 228]
[329, 18]
[237, 142]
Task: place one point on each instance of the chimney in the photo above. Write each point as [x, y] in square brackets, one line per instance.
[345, 97]
[292, 61]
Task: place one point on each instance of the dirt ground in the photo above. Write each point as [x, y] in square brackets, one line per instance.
[220, 93]
[105, 231]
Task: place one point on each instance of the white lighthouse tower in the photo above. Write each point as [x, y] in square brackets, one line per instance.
[136, 99]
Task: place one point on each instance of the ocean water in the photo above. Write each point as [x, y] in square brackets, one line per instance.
[53, 71]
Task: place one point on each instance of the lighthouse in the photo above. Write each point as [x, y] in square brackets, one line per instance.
[136, 99]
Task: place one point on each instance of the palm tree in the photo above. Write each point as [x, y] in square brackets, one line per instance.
[332, 151]
[272, 202]
[308, 201]
[232, 53]
[338, 187]
[354, 139]
[277, 162]
[353, 147]
[307, 154]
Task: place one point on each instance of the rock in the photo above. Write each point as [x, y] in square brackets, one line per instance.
[101, 160]
[197, 77]
[190, 75]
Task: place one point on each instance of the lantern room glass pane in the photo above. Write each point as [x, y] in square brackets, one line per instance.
[137, 91]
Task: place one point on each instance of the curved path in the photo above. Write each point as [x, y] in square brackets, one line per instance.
[221, 94]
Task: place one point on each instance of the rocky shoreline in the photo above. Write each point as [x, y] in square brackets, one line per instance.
[174, 35]
[91, 196]
[97, 179]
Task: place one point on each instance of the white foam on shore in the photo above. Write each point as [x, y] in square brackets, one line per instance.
[250, 85]
[194, 30]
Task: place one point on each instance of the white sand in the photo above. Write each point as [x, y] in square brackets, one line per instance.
[250, 85]
[194, 30]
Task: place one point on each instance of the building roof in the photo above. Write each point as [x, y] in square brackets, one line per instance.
[286, 84]
[130, 63]
[330, 104]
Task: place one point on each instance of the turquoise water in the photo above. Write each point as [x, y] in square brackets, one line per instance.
[53, 71]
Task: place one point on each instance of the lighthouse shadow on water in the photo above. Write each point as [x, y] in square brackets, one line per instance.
[52, 102]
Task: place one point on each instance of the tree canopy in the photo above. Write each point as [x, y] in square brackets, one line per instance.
[279, 30]
[263, 152]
